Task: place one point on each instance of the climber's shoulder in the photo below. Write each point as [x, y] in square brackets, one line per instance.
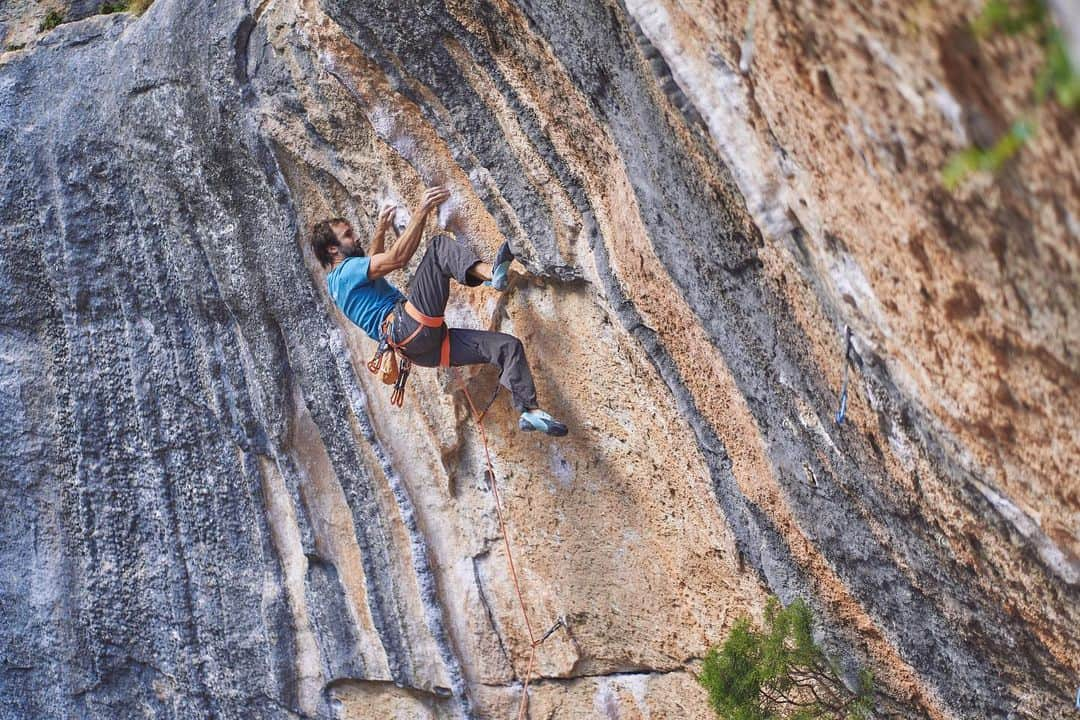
[350, 272]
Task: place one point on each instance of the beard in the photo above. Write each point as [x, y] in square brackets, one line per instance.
[355, 251]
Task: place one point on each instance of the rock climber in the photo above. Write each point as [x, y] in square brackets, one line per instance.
[414, 325]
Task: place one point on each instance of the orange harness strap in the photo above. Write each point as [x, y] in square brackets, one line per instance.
[426, 321]
[431, 321]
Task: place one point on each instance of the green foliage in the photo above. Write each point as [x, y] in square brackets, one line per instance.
[1011, 18]
[990, 159]
[779, 673]
[52, 19]
[137, 7]
[1057, 79]
[12, 47]
[1058, 76]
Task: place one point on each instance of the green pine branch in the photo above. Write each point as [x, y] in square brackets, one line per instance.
[780, 673]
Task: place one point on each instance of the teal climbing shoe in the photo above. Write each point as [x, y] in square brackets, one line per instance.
[537, 419]
[500, 267]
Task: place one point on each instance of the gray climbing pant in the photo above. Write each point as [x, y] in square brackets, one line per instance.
[429, 290]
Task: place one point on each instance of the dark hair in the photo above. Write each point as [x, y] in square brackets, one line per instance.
[323, 238]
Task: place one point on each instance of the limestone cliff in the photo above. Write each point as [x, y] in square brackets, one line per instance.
[208, 507]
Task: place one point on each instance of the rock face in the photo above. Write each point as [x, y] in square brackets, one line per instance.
[209, 508]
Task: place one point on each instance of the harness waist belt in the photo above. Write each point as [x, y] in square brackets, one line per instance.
[430, 321]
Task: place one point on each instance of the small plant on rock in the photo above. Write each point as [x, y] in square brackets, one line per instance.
[139, 6]
[52, 19]
[779, 673]
[1057, 79]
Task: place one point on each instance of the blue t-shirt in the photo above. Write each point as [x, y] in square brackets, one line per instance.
[365, 302]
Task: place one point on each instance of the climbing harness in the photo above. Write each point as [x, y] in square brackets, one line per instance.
[534, 643]
[843, 391]
[398, 366]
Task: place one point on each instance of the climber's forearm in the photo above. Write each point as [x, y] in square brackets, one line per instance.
[405, 246]
[384, 222]
[378, 242]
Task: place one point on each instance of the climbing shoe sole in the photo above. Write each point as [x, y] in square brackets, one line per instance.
[548, 427]
[500, 272]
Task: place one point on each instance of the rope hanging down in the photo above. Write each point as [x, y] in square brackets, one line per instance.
[478, 418]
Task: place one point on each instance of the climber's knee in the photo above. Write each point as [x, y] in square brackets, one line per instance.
[503, 349]
[513, 347]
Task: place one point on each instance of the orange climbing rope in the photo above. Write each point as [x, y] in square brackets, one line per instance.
[478, 418]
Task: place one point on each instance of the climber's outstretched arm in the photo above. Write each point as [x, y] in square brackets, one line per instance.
[399, 255]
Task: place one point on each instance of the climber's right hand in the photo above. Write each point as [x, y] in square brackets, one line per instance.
[433, 197]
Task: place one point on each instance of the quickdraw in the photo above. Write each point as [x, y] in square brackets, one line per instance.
[842, 411]
[850, 357]
[398, 396]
